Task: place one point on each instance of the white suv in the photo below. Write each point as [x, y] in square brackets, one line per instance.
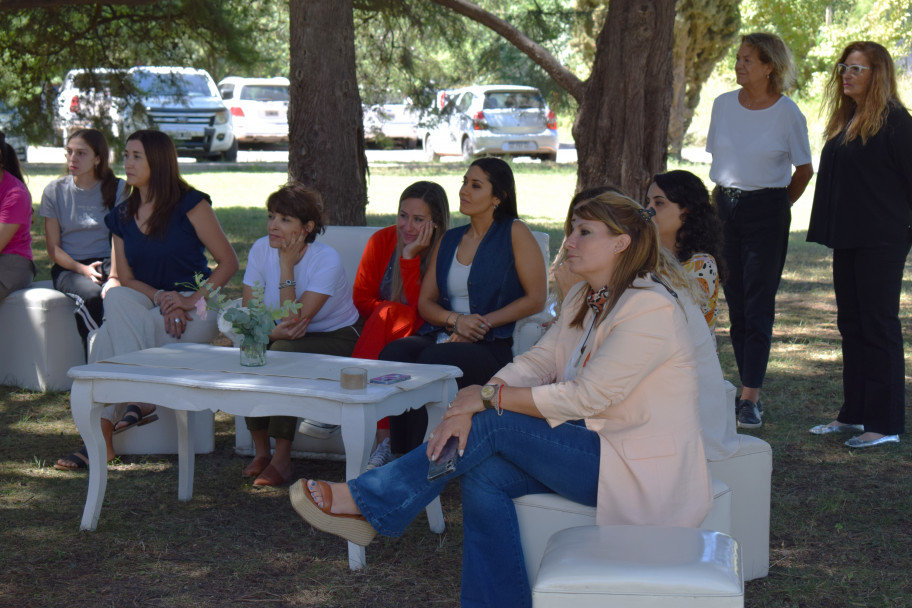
[492, 119]
[185, 104]
[259, 108]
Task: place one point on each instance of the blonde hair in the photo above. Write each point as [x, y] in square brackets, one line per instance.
[641, 257]
[773, 51]
[865, 119]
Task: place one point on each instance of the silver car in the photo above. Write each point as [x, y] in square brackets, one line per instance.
[493, 120]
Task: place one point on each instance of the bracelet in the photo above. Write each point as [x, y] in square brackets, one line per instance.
[287, 283]
[498, 406]
[456, 323]
[155, 297]
[447, 322]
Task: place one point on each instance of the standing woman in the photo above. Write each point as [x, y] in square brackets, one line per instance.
[16, 266]
[481, 279]
[862, 211]
[160, 236]
[755, 137]
[78, 242]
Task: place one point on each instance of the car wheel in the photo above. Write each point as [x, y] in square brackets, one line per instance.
[551, 156]
[230, 155]
[429, 154]
[468, 150]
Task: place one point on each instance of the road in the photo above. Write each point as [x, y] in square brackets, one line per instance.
[54, 156]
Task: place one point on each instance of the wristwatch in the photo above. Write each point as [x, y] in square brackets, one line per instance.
[488, 391]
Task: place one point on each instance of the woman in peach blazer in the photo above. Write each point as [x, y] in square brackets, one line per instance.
[603, 411]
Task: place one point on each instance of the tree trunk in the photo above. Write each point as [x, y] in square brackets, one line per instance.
[622, 123]
[326, 132]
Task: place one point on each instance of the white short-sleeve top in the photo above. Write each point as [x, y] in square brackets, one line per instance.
[319, 271]
[755, 149]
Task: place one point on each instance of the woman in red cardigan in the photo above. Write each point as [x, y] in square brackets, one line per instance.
[389, 279]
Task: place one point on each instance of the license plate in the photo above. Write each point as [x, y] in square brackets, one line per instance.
[181, 135]
[520, 145]
[272, 113]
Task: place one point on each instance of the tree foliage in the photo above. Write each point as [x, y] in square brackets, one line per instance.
[39, 45]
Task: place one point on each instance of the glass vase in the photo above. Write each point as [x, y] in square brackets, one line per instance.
[253, 354]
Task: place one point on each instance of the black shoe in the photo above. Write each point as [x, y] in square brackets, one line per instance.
[748, 414]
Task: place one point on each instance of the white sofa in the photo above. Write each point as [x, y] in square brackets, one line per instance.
[40, 341]
[639, 567]
[350, 242]
[541, 516]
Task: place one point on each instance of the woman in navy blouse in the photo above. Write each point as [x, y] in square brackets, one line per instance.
[160, 235]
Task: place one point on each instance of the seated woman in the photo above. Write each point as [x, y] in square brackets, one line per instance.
[470, 309]
[78, 242]
[389, 280]
[160, 236]
[603, 411]
[290, 265]
[690, 228]
[16, 266]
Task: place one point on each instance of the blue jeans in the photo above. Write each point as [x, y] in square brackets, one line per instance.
[505, 457]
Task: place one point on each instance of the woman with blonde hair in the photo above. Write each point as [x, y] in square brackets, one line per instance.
[756, 135]
[603, 411]
[862, 211]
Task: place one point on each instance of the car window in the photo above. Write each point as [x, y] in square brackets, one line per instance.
[511, 99]
[464, 102]
[265, 92]
[173, 85]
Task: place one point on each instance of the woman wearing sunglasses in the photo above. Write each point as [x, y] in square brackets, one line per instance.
[756, 135]
[862, 211]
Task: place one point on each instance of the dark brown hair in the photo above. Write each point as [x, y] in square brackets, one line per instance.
[99, 145]
[303, 202]
[166, 186]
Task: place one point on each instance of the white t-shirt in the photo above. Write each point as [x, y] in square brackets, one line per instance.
[319, 271]
[754, 149]
[83, 233]
[458, 286]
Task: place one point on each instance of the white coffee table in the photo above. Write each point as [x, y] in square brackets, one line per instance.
[193, 377]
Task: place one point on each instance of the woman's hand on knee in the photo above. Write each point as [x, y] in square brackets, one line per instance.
[176, 322]
[467, 401]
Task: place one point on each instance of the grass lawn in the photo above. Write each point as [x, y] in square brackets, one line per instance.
[840, 533]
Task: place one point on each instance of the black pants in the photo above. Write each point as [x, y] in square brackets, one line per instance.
[756, 229]
[85, 292]
[868, 282]
[479, 361]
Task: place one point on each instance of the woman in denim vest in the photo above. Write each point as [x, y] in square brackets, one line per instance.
[480, 280]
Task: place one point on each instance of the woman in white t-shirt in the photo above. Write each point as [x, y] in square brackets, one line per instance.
[290, 265]
[78, 241]
[756, 136]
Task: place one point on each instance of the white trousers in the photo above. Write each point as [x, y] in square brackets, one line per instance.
[132, 323]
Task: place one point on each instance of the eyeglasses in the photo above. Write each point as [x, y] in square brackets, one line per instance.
[854, 70]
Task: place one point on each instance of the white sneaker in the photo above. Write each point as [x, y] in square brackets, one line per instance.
[381, 455]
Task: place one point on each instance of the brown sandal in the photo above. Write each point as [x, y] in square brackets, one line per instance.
[353, 528]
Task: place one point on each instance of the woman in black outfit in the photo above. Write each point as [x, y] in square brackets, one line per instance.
[862, 210]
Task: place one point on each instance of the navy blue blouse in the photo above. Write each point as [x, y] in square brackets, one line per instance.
[163, 263]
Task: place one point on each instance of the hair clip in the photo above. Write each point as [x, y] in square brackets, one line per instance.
[646, 214]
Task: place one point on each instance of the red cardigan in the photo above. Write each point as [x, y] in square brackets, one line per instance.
[385, 321]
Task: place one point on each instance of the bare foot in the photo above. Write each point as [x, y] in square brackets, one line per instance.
[256, 466]
[342, 501]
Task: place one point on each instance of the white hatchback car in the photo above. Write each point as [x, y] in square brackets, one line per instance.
[492, 119]
[259, 108]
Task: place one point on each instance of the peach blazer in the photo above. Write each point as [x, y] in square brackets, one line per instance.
[637, 388]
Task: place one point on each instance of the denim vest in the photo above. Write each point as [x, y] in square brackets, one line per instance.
[493, 282]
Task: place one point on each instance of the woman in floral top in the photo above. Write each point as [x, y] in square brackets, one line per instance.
[690, 228]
